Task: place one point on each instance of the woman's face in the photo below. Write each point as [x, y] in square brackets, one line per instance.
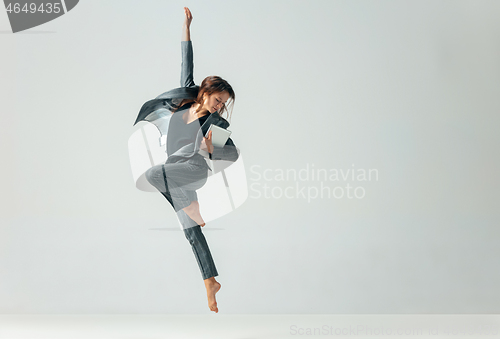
[215, 101]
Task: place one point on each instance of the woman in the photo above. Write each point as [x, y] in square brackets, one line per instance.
[192, 109]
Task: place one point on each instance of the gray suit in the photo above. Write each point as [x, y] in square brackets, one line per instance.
[185, 170]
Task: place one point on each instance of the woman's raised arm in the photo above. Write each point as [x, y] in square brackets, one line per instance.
[187, 64]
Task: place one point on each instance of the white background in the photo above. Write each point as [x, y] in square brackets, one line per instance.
[408, 88]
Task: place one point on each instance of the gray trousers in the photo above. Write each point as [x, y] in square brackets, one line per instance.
[178, 182]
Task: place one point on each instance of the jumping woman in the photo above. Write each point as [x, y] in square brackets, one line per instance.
[185, 114]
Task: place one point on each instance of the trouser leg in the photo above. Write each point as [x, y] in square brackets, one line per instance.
[178, 182]
[201, 252]
[178, 186]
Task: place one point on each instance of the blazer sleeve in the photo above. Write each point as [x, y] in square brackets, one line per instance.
[229, 152]
[187, 64]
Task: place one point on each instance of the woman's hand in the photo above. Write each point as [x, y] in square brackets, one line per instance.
[186, 36]
[206, 143]
[188, 18]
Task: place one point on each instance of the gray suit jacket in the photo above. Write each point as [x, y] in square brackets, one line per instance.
[158, 111]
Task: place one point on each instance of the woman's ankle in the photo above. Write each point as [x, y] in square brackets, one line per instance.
[210, 280]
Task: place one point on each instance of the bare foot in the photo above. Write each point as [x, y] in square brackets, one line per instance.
[193, 211]
[212, 287]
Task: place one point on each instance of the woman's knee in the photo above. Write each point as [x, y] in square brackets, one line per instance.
[192, 235]
[154, 174]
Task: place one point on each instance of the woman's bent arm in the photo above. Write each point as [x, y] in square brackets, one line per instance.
[228, 152]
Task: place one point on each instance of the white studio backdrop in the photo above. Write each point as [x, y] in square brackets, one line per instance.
[406, 92]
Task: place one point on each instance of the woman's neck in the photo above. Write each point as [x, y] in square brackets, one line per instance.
[194, 107]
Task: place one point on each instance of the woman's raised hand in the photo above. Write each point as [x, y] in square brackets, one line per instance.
[189, 17]
[186, 33]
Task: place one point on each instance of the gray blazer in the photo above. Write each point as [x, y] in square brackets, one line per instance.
[158, 112]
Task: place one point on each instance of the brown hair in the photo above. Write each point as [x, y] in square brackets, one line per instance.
[214, 84]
